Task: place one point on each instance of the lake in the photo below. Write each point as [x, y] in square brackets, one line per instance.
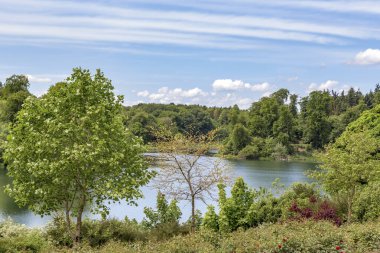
[255, 173]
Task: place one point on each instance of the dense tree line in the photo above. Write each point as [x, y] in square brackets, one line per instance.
[277, 126]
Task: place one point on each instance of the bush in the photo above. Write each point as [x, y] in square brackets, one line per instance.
[97, 233]
[367, 206]
[250, 152]
[308, 237]
[18, 238]
[56, 232]
[280, 152]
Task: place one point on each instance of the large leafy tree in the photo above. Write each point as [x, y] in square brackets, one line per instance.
[352, 163]
[69, 149]
[315, 111]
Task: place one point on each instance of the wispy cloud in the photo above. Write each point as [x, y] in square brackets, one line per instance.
[84, 21]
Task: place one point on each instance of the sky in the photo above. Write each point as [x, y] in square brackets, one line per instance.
[209, 52]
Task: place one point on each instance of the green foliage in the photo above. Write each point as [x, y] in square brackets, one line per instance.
[69, 148]
[18, 238]
[305, 237]
[13, 94]
[165, 213]
[145, 120]
[366, 206]
[352, 162]
[322, 118]
[57, 233]
[280, 152]
[251, 152]
[13, 104]
[315, 114]
[266, 209]
[15, 84]
[233, 210]
[97, 233]
[211, 219]
[239, 138]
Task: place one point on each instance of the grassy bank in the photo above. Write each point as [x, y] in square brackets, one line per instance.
[287, 237]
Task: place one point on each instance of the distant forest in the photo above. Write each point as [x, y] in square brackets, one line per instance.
[279, 126]
[276, 126]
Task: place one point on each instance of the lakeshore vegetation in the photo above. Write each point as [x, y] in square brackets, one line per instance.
[76, 146]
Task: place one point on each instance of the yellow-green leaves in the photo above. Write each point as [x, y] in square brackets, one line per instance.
[71, 144]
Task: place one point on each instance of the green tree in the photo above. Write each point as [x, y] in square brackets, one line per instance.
[283, 127]
[263, 114]
[234, 210]
[316, 109]
[69, 148]
[293, 105]
[13, 104]
[239, 138]
[352, 162]
[14, 84]
[165, 213]
[14, 92]
[211, 219]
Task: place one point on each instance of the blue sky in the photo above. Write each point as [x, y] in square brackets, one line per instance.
[211, 52]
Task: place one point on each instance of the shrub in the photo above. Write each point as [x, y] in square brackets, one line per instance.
[250, 152]
[367, 206]
[97, 233]
[56, 232]
[18, 238]
[307, 237]
[280, 152]
[317, 210]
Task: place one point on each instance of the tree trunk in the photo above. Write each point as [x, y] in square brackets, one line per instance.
[192, 214]
[78, 230]
[68, 222]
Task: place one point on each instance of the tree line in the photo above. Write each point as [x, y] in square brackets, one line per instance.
[276, 126]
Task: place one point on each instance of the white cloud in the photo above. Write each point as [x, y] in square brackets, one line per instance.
[144, 93]
[176, 95]
[227, 84]
[328, 85]
[233, 85]
[368, 57]
[259, 87]
[39, 79]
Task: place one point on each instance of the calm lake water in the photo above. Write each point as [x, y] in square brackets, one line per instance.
[255, 173]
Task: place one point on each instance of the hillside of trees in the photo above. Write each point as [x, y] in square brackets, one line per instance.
[276, 126]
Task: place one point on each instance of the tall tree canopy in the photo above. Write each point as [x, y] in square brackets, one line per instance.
[70, 148]
[352, 163]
